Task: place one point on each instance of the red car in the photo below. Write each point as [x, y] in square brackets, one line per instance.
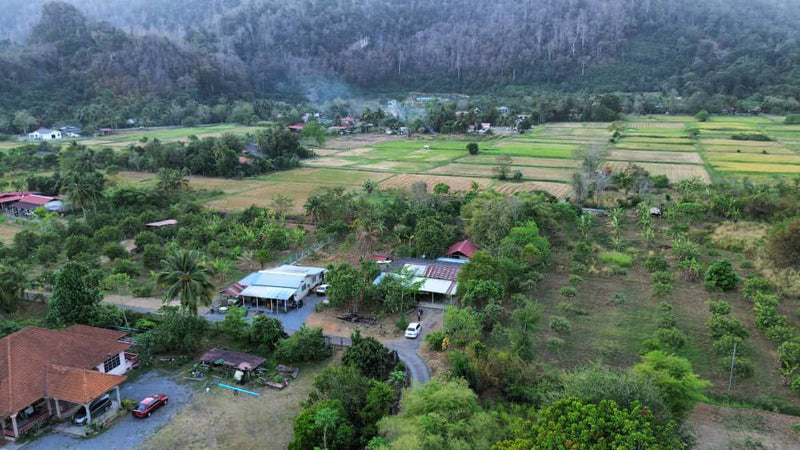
[150, 404]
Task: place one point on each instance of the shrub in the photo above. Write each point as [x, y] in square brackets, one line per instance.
[742, 367]
[113, 251]
[145, 238]
[152, 256]
[369, 356]
[575, 281]
[472, 148]
[751, 137]
[144, 289]
[780, 333]
[401, 324]
[662, 289]
[792, 119]
[46, 255]
[721, 276]
[462, 367]
[571, 308]
[660, 182]
[656, 263]
[307, 344]
[702, 116]
[723, 325]
[796, 388]
[568, 292]
[578, 268]
[434, 340]
[555, 342]
[618, 299]
[663, 277]
[789, 354]
[126, 266]
[720, 308]
[560, 325]
[667, 320]
[724, 345]
[127, 404]
[620, 259]
[671, 337]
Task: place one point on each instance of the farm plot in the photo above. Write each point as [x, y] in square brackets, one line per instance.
[511, 148]
[674, 172]
[405, 181]
[764, 149]
[754, 158]
[654, 124]
[521, 161]
[531, 173]
[661, 157]
[653, 146]
[741, 167]
[559, 190]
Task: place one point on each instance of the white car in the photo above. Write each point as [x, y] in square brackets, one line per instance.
[321, 289]
[413, 330]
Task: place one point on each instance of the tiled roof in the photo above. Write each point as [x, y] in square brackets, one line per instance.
[97, 333]
[79, 385]
[26, 355]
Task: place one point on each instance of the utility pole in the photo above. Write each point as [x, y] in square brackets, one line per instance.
[733, 360]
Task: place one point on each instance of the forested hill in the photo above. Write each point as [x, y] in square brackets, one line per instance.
[250, 48]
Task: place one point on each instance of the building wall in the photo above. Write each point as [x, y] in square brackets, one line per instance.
[119, 370]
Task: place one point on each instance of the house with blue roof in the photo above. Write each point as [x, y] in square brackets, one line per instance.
[284, 286]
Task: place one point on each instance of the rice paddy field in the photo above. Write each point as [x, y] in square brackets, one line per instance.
[547, 156]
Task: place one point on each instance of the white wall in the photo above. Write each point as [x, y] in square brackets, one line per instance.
[119, 370]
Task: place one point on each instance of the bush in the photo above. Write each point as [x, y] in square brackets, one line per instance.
[570, 308]
[46, 255]
[751, 137]
[144, 289]
[671, 337]
[369, 356]
[568, 292]
[720, 308]
[126, 266]
[662, 289]
[780, 333]
[435, 340]
[620, 259]
[656, 263]
[724, 345]
[307, 344]
[146, 238]
[792, 119]
[618, 299]
[667, 320]
[720, 276]
[113, 251]
[663, 277]
[560, 325]
[742, 367]
[401, 324]
[472, 148]
[575, 281]
[756, 285]
[723, 326]
[152, 256]
[555, 342]
[702, 116]
[796, 389]
[462, 367]
[578, 268]
[660, 182]
[265, 333]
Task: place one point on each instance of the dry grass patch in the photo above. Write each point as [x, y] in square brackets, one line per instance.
[675, 172]
[757, 168]
[522, 161]
[456, 183]
[220, 419]
[771, 149]
[356, 151]
[358, 140]
[645, 156]
[648, 125]
[754, 158]
[538, 173]
[326, 151]
[327, 162]
[739, 236]
[725, 427]
[7, 233]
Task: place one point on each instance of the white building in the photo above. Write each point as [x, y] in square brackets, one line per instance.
[280, 286]
[44, 134]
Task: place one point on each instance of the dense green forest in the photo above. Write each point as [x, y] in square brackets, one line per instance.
[144, 58]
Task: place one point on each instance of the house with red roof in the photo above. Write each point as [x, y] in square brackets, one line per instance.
[46, 373]
[462, 250]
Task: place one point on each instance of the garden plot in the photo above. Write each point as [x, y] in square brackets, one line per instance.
[655, 156]
[653, 146]
[405, 181]
[768, 148]
[754, 158]
[511, 148]
[649, 125]
[674, 172]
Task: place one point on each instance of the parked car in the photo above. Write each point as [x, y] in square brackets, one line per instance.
[97, 408]
[150, 404]
[413, 330]
[322, 289]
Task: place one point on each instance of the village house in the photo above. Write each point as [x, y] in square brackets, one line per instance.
[44, 134]
[436, 278]
[462, 250]
[48, 373]
[283, 286]
[23, 203]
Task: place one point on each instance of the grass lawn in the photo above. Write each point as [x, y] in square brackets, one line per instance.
[221, 420]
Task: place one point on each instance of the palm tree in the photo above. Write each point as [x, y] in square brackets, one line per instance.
[12, 287]
[187, 279]
[314, 207]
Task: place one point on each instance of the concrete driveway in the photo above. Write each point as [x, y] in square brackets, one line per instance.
[291, 320]
[128, 432]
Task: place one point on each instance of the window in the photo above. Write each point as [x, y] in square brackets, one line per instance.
[111, 363]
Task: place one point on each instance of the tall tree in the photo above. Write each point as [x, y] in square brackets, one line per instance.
[74, 300]
[187, 279]
[12, 287]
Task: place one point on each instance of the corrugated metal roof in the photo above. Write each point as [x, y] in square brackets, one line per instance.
[446, 287]
[306, 270]
[270, 292]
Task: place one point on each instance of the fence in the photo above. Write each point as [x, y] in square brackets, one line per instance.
[297, 256]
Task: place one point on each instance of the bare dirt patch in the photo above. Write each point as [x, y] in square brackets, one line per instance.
[327, 162]
[358, 140]
[357, 151]
[326, 151]
[724, 427]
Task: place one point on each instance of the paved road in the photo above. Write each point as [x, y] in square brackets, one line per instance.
[128, 432]
[291, 320]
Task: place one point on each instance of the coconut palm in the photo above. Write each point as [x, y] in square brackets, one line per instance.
[187, 279]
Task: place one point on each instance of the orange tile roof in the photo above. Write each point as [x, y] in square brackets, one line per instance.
[79, 385]
[26, 355]
[97, 333]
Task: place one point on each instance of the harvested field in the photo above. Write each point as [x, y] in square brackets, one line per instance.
[456, 183]
[647, 125]
[356, 151]
[325, 151]
[757, 168]
[735, 143]
[535, 173]
[644, 156]
[358, 140]
[398, 166]
[327, 162]
[775, 150]
[559, 190]
[521, 161]
[598, 132]
[675, 172]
